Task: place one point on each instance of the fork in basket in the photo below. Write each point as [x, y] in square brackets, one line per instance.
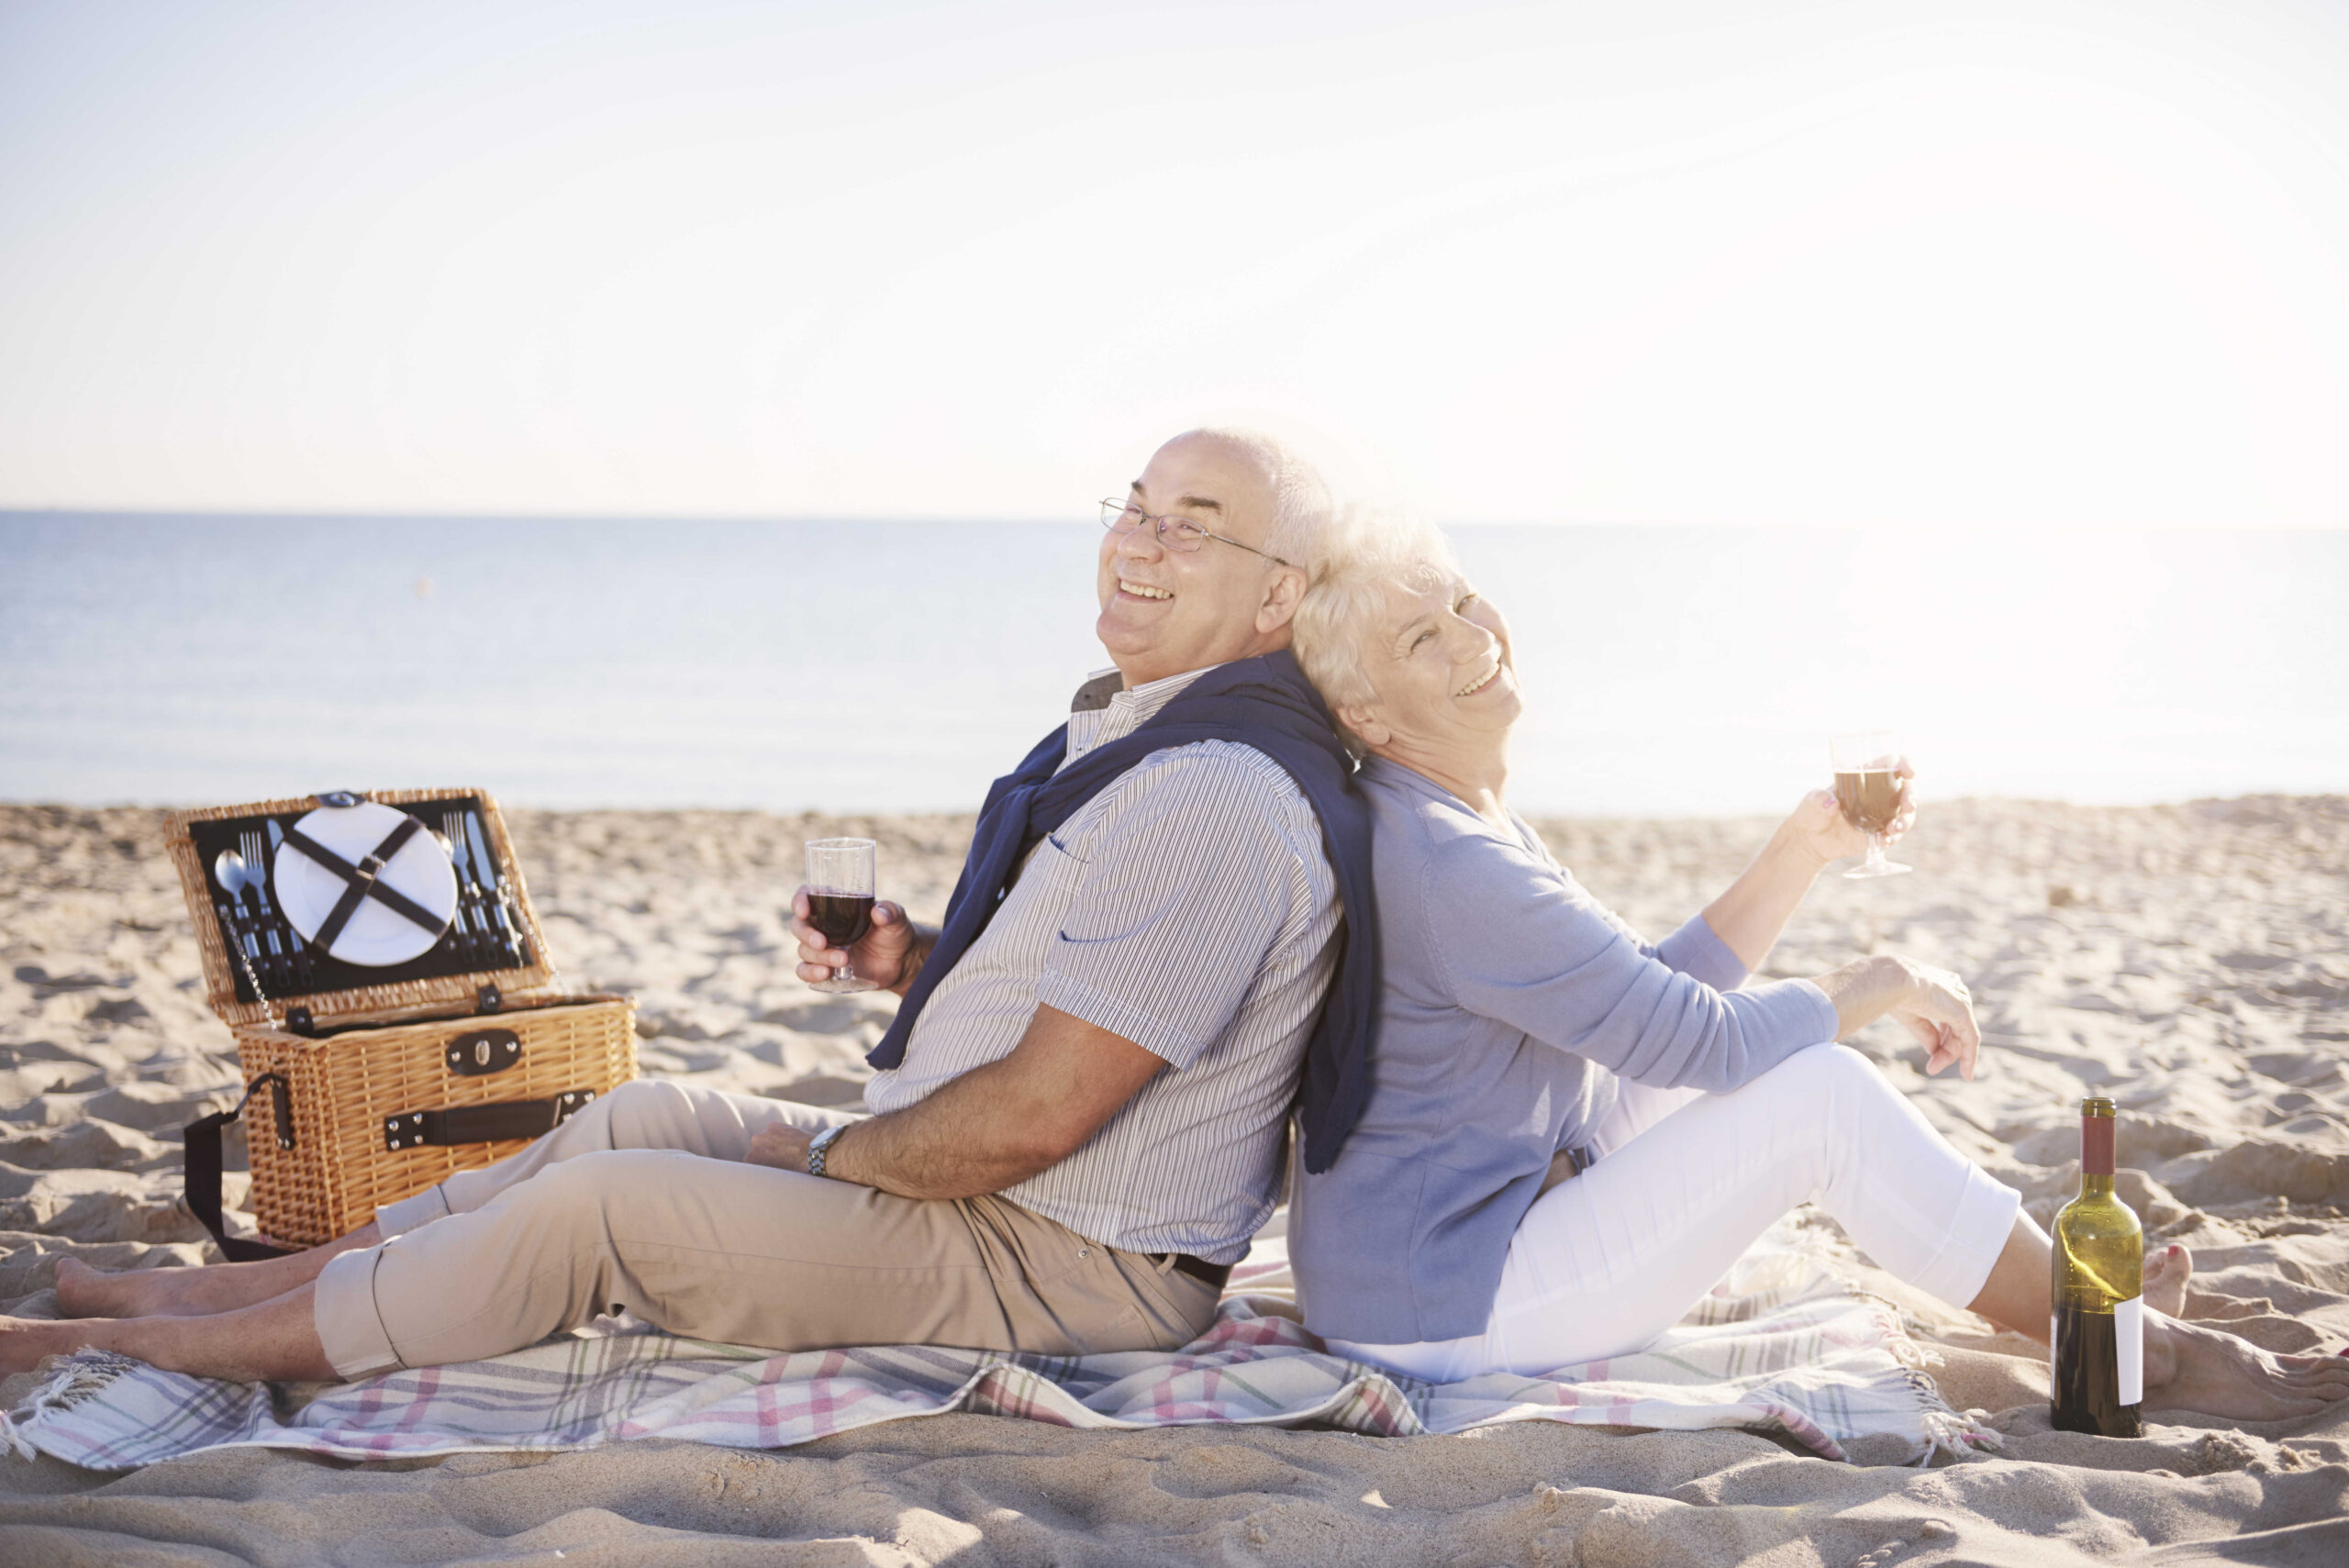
[282, 962]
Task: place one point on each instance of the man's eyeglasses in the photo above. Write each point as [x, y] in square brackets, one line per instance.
[1173, 532]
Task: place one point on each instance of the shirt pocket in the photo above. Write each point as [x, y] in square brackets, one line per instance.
[1040, 894]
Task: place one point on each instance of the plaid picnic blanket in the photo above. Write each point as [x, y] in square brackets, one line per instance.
[1781, 1343]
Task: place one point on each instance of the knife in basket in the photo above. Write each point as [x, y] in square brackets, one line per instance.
[495, 881]
[467, 925]
[301, 955]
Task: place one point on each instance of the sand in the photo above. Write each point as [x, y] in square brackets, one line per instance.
[2192, 960]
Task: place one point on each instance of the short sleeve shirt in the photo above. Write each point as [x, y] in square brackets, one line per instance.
[1188, 908]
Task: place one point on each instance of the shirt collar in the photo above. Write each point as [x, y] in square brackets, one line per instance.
[1104, 710]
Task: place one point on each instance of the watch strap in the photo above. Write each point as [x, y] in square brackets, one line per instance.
[816, 1146]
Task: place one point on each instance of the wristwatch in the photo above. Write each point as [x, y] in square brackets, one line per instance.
[816, 1146]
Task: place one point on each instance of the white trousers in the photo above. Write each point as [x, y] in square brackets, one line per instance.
[1602, 1265]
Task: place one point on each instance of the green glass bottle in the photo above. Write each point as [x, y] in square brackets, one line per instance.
[2097, 1347]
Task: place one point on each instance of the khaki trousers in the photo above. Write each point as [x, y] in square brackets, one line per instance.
[642, 1202]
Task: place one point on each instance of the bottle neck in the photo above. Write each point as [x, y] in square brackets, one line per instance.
[2093, 1186]
[2096, 1152]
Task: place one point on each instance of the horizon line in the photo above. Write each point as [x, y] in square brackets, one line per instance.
[279, 514]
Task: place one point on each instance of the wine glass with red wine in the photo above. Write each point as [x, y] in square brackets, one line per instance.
[840, 902]
[1869, 791]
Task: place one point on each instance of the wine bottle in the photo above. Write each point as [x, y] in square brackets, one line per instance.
[2096, 1344]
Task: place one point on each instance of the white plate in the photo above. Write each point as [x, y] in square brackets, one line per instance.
[375, 936]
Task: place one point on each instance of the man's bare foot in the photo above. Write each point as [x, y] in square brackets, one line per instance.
[85, 1292]
[2166, 1270]
[24, 1341]
[2189, 1367]
[199, 1291]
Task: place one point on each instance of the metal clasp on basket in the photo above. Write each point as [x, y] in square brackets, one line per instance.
[483, 1052]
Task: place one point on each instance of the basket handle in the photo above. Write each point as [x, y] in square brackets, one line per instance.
[492, 1123]
[200, 1182]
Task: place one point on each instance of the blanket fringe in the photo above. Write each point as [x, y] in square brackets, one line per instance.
[13, 1440]
[1958, 1433]
[1948, 1430]
[84, 1374]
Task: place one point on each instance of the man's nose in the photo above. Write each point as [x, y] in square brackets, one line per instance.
[1141, 543]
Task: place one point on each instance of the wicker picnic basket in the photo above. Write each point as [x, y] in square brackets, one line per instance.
[371, 1084]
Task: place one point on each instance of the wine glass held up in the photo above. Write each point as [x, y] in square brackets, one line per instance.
[1871, 787]
[840, 903]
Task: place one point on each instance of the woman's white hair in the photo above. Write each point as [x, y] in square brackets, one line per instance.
[1371, 552]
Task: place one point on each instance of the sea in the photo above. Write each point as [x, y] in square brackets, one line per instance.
[854, 666]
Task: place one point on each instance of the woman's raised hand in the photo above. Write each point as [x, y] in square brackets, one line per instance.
[1820, 826]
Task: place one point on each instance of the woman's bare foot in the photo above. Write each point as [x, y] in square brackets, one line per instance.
[2168, 1269]
[2189, 1367]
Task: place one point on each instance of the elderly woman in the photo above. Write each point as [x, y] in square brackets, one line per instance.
[1571, 1133]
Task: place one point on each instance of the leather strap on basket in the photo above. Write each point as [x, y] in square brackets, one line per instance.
[200, 1185]
[361, 884]
[482, 1124]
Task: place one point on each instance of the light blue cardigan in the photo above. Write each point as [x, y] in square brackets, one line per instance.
[1512, 998]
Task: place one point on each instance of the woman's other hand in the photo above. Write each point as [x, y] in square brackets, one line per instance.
[1933, 1004]
[1939, 1011]
[879, 956]
[1820, 826]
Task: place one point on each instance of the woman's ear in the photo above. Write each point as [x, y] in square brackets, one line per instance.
[1362, 719]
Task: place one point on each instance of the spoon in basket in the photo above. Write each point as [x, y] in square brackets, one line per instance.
[229, 869]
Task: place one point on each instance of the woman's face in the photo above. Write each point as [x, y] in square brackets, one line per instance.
[1440, 666]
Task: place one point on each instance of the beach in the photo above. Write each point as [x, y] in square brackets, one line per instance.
[2190, 960]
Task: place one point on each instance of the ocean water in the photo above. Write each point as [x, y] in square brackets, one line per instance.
[899, 666]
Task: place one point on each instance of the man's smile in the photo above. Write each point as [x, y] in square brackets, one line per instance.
[1144, 590]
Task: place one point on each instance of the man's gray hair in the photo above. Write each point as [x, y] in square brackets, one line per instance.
[1302, 512]
[1369, 552]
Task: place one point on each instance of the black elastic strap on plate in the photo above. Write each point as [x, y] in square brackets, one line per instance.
[200, 1184]
[361, 884]
[482, 1124]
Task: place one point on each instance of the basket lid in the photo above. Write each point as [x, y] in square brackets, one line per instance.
[345, 904]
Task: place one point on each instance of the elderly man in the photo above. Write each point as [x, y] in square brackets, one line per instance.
[1081, 1112]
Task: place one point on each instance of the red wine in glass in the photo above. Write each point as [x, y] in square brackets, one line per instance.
[843, 917]
[840, 902]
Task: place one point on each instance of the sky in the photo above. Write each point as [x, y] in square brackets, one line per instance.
[1902, 265]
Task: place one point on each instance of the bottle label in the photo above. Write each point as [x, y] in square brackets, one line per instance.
[2129, 1348]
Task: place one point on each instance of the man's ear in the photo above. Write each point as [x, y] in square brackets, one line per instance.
[1282, 595]
[1363, 720]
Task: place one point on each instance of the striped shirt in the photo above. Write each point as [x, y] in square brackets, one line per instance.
[1188, 908]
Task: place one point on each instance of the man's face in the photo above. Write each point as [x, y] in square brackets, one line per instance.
[1165, 612]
